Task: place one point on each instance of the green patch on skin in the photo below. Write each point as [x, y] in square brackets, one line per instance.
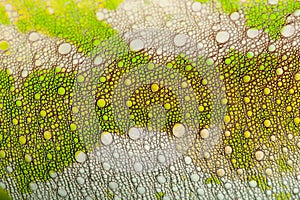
[78, 25]
[283, 196]
[159, 195]
[112, 4]
[213, 180]
[37, 133]
[241, 156]
[6, 109]
[4, 45]
[107, 83]
[282, 164]
[261, 181]
[110, 195]
[145, 100]
[146, 97]
[270, 18]
[230, 6]
[4, 195]
[4, 19]
[261, 101]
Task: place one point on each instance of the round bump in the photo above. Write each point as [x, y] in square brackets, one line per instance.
[154, 87]
[240, 171]
[80, 156]
[252, 184]
[9, 169]
[252, 33]
[24, 73]
[234, 16]
[267, 91]
[134, 133]
[178, 130]
[220, 172]
[33, 186]
[167, 106]
[227, 133]
[4, 45]
[196, 6]
[187, 160]
[64, 48]
[279, 71]
[228, 186]
[47, 135]
[113, 185]
[164, 3]
[101, 103]
[106, 138]
[227, 119]
[200, 192]
[220, 196]
[269, 172]
[161, 179]
[295, 190]
[100, 16]
[195, 177]
[285, 150]
[222, 37]
[52, 174]
[28, 158]
[272, 48]
[127, 82]
[206, 155]
[161, 158]
[141, 190]
[273, 2]
[267, 123]
[98, 60]
[61, 91]
[290, 136]
[138, 167]
[22, 140]
[2, 154]
[73, 127]
[204, 133]
[33, 37]
[106, 166]
[43, 113]
[247, 134]
[259, 155]
[180, 40]
[80, 78]
[62, 192]
[297, 13]
[297, 77]
[228, 150]
[15, 121]
[128, 103]
[137, 45]
[288, 31]
[296, 120]
[80, 180]
[247, 79]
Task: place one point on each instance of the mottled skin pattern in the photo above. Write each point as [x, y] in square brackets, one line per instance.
[149, 99]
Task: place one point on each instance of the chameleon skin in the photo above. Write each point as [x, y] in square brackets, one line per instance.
[49, 48]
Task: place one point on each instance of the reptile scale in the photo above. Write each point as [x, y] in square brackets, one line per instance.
[150, 99]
